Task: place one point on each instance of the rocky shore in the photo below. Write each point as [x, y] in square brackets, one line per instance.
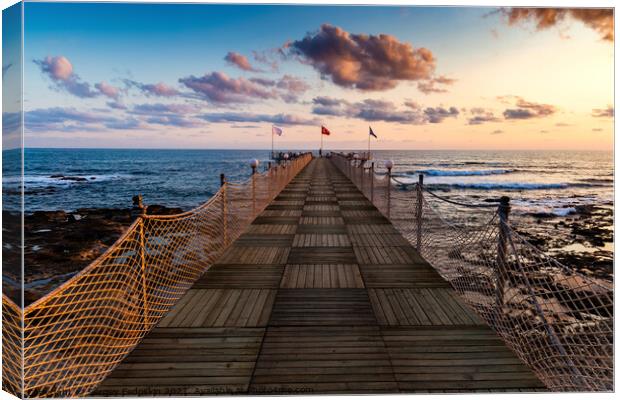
[581, 240]
[59, 244]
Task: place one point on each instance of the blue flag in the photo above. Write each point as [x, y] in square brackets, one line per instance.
[372, 133]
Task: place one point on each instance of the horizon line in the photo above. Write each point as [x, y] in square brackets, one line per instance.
[296, 149]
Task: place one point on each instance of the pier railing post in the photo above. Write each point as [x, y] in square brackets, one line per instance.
[224, 208]
[141, 208]
[269, 178]
[502, 246]
[254, 165]
[419, 213]
[362, 176]
[389, 166]
[372, 181]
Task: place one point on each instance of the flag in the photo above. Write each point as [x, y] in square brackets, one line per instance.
[372, 133]
[325, 131]
[276, 130]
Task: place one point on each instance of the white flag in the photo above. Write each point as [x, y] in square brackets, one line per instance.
[276, 130]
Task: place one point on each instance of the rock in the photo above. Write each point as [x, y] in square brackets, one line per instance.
[73, 178]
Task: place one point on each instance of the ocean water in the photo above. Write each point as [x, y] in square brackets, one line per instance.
[551, 182]
[68, 179]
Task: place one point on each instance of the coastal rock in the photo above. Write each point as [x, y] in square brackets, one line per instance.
[59, 244]
[69, 178]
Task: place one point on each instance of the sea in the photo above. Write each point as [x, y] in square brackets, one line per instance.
[552, 182]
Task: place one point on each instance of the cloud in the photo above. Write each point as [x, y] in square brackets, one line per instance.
[597, 129]
[71, 120]
[220, 88]
[292, 84]
[11, 122]
[481, 119]
[267, 58]
[116, 105]
[380, 110]
[153, 89]
[519, 114]
[481, 116]
[279, 119]
[174, 120]
[438, 114]
[160, 109]
[289, 87]
[599, 19]
[528, 110]
[365, 62]
[60, 70]
[497, 132]
[179, 115]
[603, 113]
[239, 61]
[433, 85]
[108, 90]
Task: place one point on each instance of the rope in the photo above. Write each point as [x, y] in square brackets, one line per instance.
[457, 203]
[77, 334]
[556, 320]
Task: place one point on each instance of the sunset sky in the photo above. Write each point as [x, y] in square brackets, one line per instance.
[207, 76]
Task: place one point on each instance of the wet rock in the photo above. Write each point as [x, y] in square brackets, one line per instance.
[59, 244]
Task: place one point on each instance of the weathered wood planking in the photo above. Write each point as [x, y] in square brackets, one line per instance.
[321, 294]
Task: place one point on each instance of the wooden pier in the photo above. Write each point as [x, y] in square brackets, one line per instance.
[321, 294]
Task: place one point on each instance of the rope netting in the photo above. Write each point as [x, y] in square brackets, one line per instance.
[77, 334]
[555, 319]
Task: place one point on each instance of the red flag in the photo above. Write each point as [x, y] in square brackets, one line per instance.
[325, 131]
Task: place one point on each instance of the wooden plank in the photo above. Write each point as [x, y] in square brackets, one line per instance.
[321, 255]
[224, 365]
[467, 360]
[322, 307]
[241, 276]
[353, 371]
[323, 276]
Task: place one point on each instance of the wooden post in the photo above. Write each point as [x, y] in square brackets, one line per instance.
[269, 179]
[253, 190]
[419, 213]
[142, 252]
[372, 181]
[389, 183]
[503, 210]
[224, 208]
[362, 176]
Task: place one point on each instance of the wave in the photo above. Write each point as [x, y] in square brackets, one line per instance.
[58, 180]
[499, 185]
[480, 172]
[460, 164]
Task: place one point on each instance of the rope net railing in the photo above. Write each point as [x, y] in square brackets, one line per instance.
[77, 334]
[558, 321]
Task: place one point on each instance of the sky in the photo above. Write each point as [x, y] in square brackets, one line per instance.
[219, 76]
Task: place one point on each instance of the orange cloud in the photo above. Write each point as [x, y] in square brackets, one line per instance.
[365, 62]
[599, 19]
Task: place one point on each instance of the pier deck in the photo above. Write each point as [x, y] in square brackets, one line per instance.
[320, 295]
